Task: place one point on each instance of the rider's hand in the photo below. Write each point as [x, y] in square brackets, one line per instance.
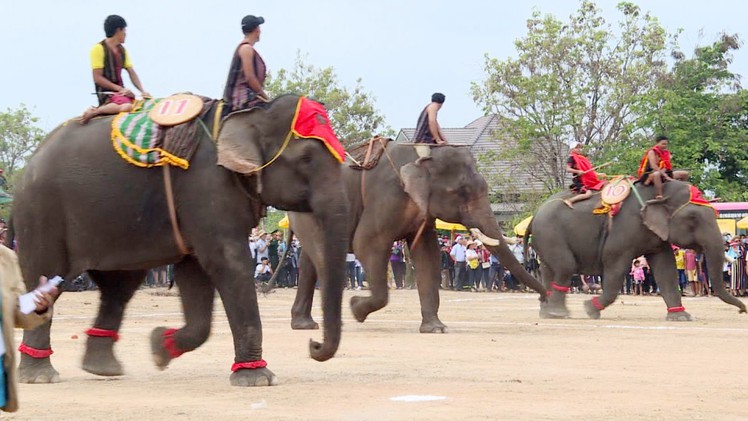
[602, 175]
[145, 94]
[126, 92]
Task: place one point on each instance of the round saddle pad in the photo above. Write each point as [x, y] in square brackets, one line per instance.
[616, 191]
[176, 109]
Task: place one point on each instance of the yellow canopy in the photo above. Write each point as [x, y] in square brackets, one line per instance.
[726, 225]
[521, 228]
[742, 224]
[449, 226]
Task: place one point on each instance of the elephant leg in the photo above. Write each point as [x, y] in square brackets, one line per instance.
[557, 282]
[196, 292]
[426, 258]
[665, 272]
[234, 284]
[375, 259]
[613, 276]
[117, 288]
[301, 312]
[35, 365]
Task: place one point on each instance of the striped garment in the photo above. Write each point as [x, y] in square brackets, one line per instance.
[138, 140]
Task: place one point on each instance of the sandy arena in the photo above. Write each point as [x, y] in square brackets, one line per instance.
[498, 361]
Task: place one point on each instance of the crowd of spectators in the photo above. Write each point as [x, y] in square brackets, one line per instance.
[267, 249]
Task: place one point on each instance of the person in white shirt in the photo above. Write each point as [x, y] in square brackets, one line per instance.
[262, 246]
[350, 269]
[458, 254]
[517, 250]
[263, 271]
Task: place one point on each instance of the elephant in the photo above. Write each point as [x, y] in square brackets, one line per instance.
[81, 208]
[570, 241]
[401, 195]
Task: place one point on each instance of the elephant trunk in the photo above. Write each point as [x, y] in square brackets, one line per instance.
[332, 276]
[485, 225]
[715, 258]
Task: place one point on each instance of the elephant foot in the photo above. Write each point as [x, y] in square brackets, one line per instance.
[303, 323]
[591, 310]
[253, 377]
[37, 370]
[548, 312]
[159, 354]
[680, 316]
[357, 307]
[433, 326]
[99, 358]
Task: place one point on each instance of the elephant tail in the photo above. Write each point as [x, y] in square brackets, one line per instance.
[526, 244]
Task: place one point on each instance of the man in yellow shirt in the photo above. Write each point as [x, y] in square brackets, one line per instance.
[680, 264]
[108, 58]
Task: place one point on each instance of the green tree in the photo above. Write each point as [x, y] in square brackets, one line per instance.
[352, 112]
[270, 222]
[573, 81]
[19, 137]
[701, 107]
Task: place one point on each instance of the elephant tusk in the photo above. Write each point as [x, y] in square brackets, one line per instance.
[486, 239]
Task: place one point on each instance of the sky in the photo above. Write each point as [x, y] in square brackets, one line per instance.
[403, 50]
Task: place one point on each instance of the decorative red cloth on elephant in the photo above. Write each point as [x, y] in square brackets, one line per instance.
[589, 179]
[697, 198]
[662, 154]
[311, 122]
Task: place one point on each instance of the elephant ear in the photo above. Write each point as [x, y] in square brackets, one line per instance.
[238, 143]
[657, 219]
[417, 184]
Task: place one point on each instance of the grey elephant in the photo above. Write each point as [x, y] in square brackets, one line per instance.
[570, 241]
[400, 196]
[79, 207]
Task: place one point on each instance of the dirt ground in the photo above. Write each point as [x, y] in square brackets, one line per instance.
[498, 361]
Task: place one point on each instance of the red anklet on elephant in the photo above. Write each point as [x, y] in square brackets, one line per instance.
[676, 309]
[33, 352]
[170, 345]
[249, 365]
[559, 288]
[103, 333]
[597, 304]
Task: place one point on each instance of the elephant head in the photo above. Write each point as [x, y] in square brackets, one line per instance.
[447, 186]
[298, 175]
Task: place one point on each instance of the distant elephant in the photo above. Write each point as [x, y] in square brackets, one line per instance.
[402, 193]
[80, 207]
[570, 241]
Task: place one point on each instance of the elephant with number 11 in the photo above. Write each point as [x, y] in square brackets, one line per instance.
[79, 207]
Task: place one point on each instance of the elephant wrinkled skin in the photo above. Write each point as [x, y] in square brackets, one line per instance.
[398, 197]
[80, 207]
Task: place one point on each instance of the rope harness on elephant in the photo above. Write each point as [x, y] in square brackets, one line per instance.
[417, 237]
[168, 186]
[366, 160]
[178, 238]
